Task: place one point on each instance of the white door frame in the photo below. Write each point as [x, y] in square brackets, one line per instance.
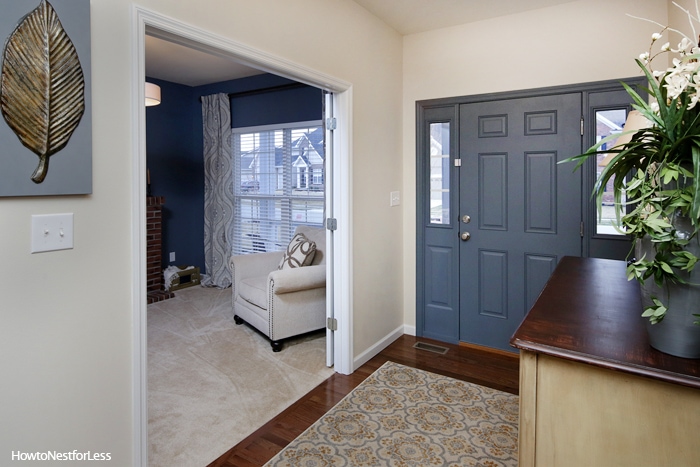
[171, 29]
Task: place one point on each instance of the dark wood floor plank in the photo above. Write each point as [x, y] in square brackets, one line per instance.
[497, 370]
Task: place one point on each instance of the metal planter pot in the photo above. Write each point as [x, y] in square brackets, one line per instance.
[676, 334]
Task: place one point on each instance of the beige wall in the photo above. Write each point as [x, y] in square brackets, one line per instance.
[577, 42]
[65, 337]
[678, 19]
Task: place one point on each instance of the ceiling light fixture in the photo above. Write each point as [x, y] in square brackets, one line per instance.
[152, 94]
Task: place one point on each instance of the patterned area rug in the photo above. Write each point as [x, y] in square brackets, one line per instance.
[402, 416]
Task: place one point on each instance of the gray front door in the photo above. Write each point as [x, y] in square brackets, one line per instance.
[519, 212]
[495, 212]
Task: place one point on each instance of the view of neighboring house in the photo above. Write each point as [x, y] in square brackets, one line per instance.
[305, 164]
[280, 178]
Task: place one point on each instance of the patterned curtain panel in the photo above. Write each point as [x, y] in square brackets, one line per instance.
[218, 189]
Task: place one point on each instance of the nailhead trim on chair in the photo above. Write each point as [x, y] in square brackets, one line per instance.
[232, 268]
[270, 309]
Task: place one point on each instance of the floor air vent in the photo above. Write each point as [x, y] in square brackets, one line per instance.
[430, 348]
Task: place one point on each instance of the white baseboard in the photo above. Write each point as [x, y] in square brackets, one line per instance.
[410, 330]
[383, 343]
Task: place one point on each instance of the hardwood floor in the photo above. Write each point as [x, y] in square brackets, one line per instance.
[498, 370]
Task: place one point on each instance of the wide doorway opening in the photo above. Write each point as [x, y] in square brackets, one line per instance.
[339, 96]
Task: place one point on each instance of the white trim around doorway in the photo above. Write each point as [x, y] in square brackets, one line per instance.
[168, 28]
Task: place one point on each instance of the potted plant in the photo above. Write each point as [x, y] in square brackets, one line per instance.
[653, 170]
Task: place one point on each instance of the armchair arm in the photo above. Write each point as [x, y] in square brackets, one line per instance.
[296, 279]
[253, 265]
[256, 264]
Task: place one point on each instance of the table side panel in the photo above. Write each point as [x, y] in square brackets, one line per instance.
[587, 416]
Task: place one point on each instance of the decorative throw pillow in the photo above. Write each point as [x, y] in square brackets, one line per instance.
[300, 252]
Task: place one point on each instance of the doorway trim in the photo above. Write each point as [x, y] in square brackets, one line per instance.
[144, 20]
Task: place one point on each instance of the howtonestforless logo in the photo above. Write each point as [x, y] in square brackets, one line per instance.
[74, 455]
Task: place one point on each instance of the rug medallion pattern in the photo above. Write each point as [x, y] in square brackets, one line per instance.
[405, 417]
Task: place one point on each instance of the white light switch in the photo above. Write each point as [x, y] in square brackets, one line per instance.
[172, 256]
[52, 232]
[394, 199]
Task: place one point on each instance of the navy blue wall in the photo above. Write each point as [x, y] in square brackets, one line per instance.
[297, 104]
[174, 161]
[174, 148]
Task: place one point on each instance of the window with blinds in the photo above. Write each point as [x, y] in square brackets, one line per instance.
[279, 184]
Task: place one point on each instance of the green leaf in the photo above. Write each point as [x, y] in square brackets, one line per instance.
[666, 267]
[695, 206]
[669, 175]
[656, 312]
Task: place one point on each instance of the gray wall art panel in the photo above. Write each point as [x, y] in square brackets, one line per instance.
[70, 167]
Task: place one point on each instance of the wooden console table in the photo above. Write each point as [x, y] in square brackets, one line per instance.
[592, 390]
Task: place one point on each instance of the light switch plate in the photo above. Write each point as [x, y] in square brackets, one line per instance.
[51, 232]
[394, 199]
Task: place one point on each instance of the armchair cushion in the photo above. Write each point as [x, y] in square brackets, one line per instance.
[254, 290]
[300, 252]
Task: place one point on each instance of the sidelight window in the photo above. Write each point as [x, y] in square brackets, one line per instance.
[440, 173]
[608, 122]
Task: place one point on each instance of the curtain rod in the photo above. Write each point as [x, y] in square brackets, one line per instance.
[252, 92]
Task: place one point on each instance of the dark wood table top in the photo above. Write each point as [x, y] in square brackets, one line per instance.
[589, 312]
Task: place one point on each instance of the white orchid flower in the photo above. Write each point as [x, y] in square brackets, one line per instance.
[685, 43]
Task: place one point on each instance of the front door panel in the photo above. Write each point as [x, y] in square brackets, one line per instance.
[520, 212]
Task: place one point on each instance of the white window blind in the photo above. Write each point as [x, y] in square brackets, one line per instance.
[279, 184]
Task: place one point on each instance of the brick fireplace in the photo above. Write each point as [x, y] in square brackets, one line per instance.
[154, 249]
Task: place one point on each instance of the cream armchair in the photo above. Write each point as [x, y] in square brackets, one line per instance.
[280, 303]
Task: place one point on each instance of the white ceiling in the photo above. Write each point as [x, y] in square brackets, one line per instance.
[183, 65]
[412, 16]
[179, 64]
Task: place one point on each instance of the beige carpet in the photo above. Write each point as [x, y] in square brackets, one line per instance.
[211, 383]
[405, 417]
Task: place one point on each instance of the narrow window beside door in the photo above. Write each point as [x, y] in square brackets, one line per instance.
[440, 173]
[608, 122]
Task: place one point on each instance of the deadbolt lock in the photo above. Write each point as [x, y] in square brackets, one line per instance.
[466, 219]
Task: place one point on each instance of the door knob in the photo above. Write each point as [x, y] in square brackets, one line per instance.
[466, 236]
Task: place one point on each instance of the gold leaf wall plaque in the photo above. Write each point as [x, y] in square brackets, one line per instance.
[42, 93]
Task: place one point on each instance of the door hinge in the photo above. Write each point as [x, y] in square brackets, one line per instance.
[331, 123]
[581, 229]
[458, 162]
[331, 224]
[581, 125]
[332, 324]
